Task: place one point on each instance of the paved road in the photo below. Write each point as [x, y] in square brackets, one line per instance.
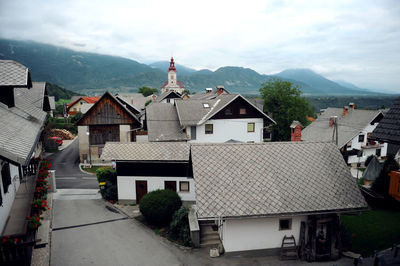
[66, 164]
[88, 231]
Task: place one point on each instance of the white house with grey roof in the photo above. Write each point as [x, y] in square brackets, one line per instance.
[256, 194]
[144, 167]
[216, 118]
[353, 127]
[22, 120]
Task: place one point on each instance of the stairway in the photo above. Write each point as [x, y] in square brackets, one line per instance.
[209, 236]
[289, 248]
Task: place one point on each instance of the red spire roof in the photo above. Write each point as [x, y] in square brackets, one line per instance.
[172, 65]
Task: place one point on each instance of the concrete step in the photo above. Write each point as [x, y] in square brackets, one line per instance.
[206, 229]
[209, 238]
[210, 243]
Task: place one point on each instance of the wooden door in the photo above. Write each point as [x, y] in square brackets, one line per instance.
[171, 185]
[141, 190]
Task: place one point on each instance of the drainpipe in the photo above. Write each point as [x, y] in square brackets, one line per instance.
[127, 132]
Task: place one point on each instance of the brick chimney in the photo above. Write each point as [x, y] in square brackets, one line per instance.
[295, 131]
[220, 90]
[345, 110]
[153, 97]
[352, 106]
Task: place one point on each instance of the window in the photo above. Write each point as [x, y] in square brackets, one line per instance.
[228, 111]
[209, 129]
[242, 111]
[361, 138]
[378, 152]
[6, 177]
[206, 105]
[285, 224]
[250, 127]
[168, 100]
[184, 186]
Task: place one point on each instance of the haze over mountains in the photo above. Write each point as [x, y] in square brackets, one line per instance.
[89, 72]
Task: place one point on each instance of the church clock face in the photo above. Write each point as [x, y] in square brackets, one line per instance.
[172, 77]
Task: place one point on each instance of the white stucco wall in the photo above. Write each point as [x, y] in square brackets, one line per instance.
[83, 140]
[257, 233]
[366, 151]
[227, 129]
[142, 138]
[8, 198]
[127, 190]
[125, 133]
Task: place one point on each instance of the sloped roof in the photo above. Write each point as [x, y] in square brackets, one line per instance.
[35, 95]
[193, 112]
[163, 123]
[164, 95]
[129, 105]
[373, 169]
[146, 151]
[14, 74]
[137, 100]
[179, 83]
[266, 179]
[92, 99]
[388, 129]
[20, 128]
[349, 126]
[52, 102]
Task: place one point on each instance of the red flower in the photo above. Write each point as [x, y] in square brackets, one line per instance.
[15, 240]
[3, 240]
[37, 219]
[35, 205]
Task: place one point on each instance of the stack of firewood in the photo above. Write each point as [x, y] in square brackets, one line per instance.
[63, 133]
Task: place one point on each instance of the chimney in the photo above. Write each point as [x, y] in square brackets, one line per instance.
[153, 97]
[295, 131]
[332, 121]
[352, 106]
[345, 110]
[220, 90]
[209, 90]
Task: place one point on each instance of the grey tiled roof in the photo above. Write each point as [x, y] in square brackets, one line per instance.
[388, 129]
[163, 95]
[13, 74]
[373, 169]
[192, 112]
[34, 95]
[349, 126]
[234, 180]
[146, 151]
[20, 128]
[163, 123]
[137, 100]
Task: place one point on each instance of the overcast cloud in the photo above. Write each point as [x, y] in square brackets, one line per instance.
[356, 41]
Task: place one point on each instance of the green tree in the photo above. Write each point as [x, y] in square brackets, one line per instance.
[381, 184]
[283, 101]
[146, 91]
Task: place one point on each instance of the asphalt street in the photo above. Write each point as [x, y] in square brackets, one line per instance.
[68, 174]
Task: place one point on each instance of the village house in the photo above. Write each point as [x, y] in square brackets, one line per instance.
[254, 196]
[354, 127]
[168, 97]
[109, 119]
[82, 104]
[144, 167]
[22, 119]
[212, 118]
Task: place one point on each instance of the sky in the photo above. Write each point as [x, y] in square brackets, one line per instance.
[354, 41]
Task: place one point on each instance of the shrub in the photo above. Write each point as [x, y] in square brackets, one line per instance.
[158, 206]
[110, 190]
[381, 184]
[179, 227]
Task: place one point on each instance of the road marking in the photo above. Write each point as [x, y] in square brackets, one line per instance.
[88, 224]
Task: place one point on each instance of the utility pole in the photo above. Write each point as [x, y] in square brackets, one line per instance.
[337, 131]
[65, 112]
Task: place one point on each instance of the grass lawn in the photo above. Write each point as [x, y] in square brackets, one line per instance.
[94, 168]
[373, 230]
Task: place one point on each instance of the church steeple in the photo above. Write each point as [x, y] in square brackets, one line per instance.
[172, 73]
[172, 65]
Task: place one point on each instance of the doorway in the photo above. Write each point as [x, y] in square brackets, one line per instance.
[141, 190]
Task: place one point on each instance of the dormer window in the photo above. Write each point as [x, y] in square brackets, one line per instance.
[206, 105]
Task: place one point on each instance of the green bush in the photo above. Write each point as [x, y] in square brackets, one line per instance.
[110, 190]
[381, 184]
[179, 227]
[158, 206]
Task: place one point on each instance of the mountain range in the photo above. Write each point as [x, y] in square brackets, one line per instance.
[94, 73]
